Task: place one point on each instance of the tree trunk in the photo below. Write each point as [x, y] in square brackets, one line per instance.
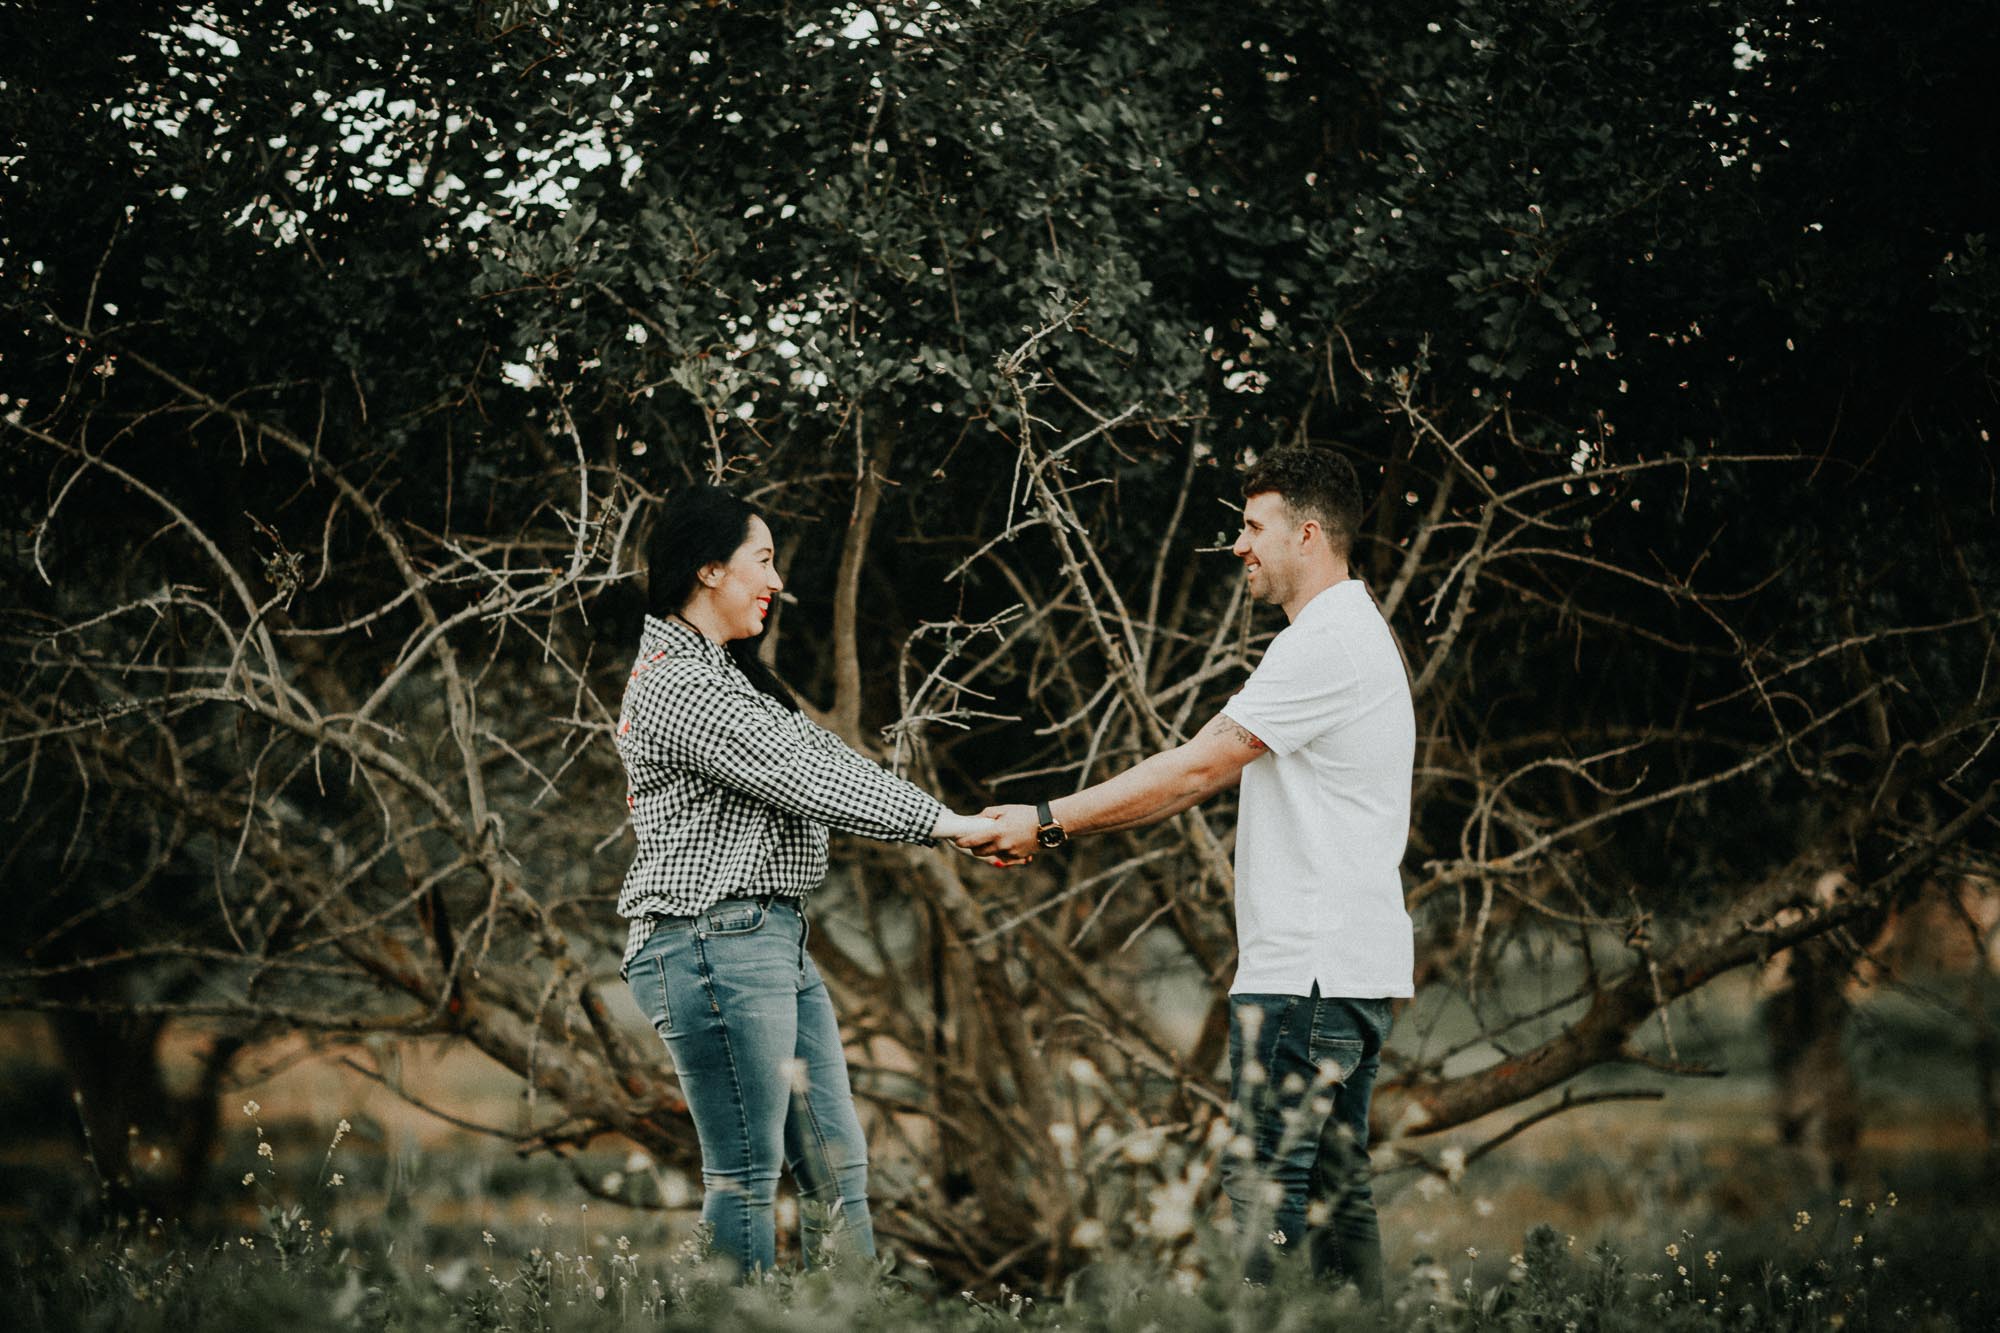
[1818, 1100]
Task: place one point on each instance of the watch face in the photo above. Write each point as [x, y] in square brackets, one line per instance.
[1051, 837]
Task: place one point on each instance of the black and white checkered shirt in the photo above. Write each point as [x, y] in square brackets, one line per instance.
[732, 793]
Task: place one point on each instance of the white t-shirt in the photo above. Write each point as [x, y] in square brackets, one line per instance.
[1324, 818]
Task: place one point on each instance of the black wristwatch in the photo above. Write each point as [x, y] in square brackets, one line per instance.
[1050, 832]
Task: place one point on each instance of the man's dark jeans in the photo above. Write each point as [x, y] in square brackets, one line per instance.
[1301, 1073]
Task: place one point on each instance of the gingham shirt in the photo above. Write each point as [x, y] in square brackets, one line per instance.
[731, 793]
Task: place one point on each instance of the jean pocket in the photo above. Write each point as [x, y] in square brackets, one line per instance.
[732, 919]
[649, 992]
[1335, 1058]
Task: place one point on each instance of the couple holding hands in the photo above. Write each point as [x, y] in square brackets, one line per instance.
[732, 790]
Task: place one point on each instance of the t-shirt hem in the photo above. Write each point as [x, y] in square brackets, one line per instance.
[1362, 990]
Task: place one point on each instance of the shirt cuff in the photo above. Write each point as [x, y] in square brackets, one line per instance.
[933, 810]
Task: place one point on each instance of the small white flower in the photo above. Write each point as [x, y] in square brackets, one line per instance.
[338, 1179]
[1172, 1210]
[1142, 1148]
[251, 1108]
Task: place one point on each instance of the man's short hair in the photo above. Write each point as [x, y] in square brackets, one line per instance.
[1314, 484]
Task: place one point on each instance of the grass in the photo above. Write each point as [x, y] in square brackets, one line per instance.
[1677, 1214]
[1860, 1266]
[316, 1248]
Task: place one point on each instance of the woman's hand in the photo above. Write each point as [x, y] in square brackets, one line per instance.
[960, 830]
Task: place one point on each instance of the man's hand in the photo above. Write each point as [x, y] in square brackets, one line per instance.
[1009, 836]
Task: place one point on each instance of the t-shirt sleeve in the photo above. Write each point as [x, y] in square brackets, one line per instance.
[1299, 691]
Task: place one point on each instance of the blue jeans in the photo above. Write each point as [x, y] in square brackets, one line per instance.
[1301, 1072]
[752, 1034]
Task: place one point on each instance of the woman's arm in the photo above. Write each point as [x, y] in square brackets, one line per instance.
[702, 721]
[956, 826]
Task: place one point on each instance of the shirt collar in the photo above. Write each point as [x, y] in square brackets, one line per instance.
[676, 638]
[1325, 598]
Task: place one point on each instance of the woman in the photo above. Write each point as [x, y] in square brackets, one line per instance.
[731, 793]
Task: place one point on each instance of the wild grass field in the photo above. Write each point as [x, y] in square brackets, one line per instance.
[337, 1204]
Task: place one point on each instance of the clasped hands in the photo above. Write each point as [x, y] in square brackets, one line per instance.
[1001, 835]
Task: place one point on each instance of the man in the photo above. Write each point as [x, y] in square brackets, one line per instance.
[1322, 738]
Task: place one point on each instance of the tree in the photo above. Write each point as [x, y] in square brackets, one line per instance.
[350, 349]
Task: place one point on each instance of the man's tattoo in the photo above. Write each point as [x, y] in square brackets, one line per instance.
[1243, 734]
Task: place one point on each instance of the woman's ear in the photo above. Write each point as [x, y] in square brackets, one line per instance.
[710, 574]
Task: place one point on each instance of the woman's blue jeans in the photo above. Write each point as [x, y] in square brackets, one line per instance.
[1301, 1074]
[752, 1034]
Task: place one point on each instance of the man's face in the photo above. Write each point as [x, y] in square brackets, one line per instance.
[1270, 547]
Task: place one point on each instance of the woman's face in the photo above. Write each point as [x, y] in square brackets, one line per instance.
[739, 592]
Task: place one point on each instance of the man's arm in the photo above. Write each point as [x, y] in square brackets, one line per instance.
[1153, 789]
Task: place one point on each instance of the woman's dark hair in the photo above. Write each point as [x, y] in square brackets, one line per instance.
[704, 525]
